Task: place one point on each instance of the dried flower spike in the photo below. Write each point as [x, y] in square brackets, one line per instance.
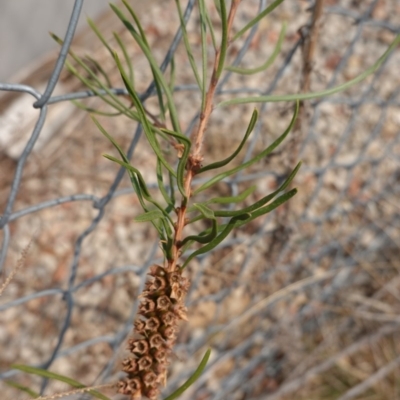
[160, 310]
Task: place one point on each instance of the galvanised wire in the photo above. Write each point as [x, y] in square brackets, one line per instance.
[313, 252]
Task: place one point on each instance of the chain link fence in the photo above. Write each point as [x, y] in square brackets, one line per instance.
[302, 303]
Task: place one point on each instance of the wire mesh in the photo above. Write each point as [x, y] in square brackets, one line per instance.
[282, 301]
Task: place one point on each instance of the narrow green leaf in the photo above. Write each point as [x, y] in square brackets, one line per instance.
[51, 375]
[189, 51]
[100, 69]
[270, 207]
[235, 221]
[109, 98]
[204, 49]
[260, 16]
[315, 95]
[158, 75]
[146, 44]
[137, 22]
[261, 211]
[233, 199]
[163, 111]
[99, 35]
[22, 388]
[263, 154]
[138, 184]
[91, 110]
[134, 180]
[172, 187]
[149, 216]
[268, 63]
[210, 27]
[111, 139]
[261, 202]
[115, 102]
[182, 161]
[192, 379]
[224, 39]
[159, 132]
[161, 187]
[143, 187]
[167, 247]
[195, 219]
[126, 56]
[217, 5]
[172, 74]
[143, 118]
[222, 163]
[169, 234]
[204, 237]
[206, 211]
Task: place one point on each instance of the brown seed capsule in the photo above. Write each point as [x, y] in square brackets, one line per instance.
[157, 270]
[149, 378]
[152, 393]
[160, 355]
[176, 292]
[144, 363]
[152, 324]
[169, 318]
[131, 387]
[174, 277]
[130, 365]
[163, 303]
[156, 341]
[158, 284]
[147, 306]
[138, 347]
[139, 325]
[168, 332]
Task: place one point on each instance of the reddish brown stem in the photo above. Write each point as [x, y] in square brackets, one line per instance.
[198, 136]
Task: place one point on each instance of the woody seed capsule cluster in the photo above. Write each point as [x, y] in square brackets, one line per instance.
[160, 310]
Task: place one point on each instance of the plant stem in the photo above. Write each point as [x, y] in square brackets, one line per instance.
[196, 157]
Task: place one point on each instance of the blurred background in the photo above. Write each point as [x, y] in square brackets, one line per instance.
[25, 26]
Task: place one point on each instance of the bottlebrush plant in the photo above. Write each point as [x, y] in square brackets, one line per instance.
[179, 162]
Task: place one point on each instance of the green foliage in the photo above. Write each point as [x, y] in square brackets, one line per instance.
[51, 375]
[22, 388]
[268, 63]
[192, 379]
[164, 215]
[222, 163]
[258, 18]
[314, 95]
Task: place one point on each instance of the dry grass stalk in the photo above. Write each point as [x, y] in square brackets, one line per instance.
[75, 391]
[16, 268]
